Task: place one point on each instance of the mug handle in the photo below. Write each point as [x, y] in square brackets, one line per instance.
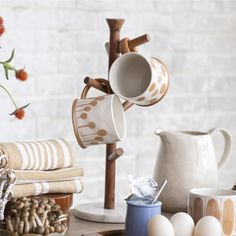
[227, 147]
[101, 81]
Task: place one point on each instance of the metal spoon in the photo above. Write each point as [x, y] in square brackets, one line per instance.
[159, 190]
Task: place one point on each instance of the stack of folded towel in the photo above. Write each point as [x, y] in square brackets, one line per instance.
[45, 166]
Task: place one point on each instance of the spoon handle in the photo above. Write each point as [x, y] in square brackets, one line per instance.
[158, 193]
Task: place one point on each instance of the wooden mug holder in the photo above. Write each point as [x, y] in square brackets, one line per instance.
[116, 47]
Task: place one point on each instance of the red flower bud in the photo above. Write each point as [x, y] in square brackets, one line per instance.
[1, 20]
[2, 30]
[21, 75]
[19, 113]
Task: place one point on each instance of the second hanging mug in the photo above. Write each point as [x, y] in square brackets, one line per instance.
[98, 120]
[140, 80]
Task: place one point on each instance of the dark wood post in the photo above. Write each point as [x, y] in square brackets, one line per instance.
[109, 201]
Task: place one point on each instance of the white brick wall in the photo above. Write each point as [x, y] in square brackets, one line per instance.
[62, 41]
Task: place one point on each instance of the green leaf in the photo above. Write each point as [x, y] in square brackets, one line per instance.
[11, 57]
[11, 114]
[25, 106]
[6, 72]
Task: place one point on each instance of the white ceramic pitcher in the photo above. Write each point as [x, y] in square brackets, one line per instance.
[187, 160]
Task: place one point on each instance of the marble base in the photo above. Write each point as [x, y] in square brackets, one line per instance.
[95, 212]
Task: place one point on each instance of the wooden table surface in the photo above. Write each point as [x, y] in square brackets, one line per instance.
[79, 227]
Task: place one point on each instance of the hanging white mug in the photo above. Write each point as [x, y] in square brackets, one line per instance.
[98, 120]
[140, 80]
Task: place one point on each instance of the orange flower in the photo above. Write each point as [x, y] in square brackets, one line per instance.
[19, 113]
[21, 75]
[1, 20]
[2, 30]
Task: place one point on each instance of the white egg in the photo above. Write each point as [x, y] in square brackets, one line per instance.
[207, 226]
[160, 226]
[183, 224]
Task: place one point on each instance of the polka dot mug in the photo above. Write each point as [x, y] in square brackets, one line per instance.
[140, 80]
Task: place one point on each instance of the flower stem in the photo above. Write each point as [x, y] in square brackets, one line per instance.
[1, 86]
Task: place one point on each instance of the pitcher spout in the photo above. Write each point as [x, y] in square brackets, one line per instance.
[158, 132]
[162, 133]
[165, 136]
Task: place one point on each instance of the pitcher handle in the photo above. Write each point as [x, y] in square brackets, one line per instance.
[227, 147]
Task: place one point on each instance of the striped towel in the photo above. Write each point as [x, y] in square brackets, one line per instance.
[29, 176]
[68, 186]
[38, 155]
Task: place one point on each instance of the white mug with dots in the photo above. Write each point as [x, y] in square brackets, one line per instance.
[137, 79]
